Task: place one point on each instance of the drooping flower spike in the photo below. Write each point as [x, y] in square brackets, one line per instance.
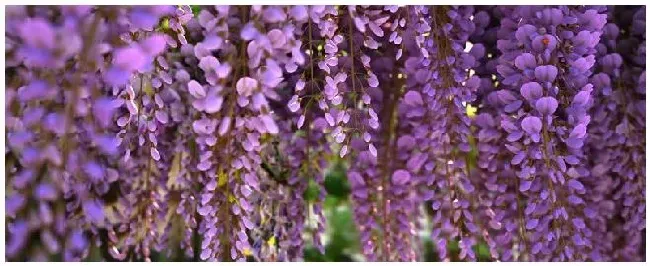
[207, 132]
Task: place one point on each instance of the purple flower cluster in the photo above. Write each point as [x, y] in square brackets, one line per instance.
[616, 135]
[61, 113]
[141, 130]
[547, 57]
[440, 87]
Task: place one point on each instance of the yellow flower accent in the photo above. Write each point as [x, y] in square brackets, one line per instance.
[471, 110]
[271, 241]
[231, 198]
[165, 24]
[222, 179]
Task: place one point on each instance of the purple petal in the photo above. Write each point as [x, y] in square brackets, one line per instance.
[401, 177]
[575, 184]
[13, 204]
[277, 38]
[575, 200]
[212, 103]
[142, 19]
[78, 241]
[525, 185]
[212, 42]
[532, 125]
[525, 61]
[270, 124]
[245, 86]
[299, 12]
[511, 107]
[155, 154]
[524, 32]
[579, 131]
[544, 42]
[45, 191]
[129, 58]
[546, 105]
[532, 223]
[108, 144]
[272, 76]
[104, 109]
[413, 98]
[578, 223]
[94, 170]
[94, 211]
[531, 91]
[574, 142]
[153, 45]
[204, 210]
[55, 122]
[117, 76]
[162, 116]
[546, 73]
[251, 180]
[38, 33]
[36, 90]
[247, 223]
[372, 80]
[581, 98]
[518, 158]
[196, 89]
[583, 64]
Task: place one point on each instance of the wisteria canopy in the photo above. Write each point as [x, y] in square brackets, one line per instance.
[516, 128]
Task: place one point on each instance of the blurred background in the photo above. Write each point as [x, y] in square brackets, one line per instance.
[341, 239]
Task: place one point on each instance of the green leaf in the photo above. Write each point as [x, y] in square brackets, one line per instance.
[312, 191]
[336, 182]
[195, 10]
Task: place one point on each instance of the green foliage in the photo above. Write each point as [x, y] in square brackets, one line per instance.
[336, 182]
[341, 236]
[342, 243]
[311, 193]
[195, 9]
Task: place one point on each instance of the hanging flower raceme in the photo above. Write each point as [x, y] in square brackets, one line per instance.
[547, 58]
[492, 189]
[305, 151]
[136, 200]
[446, 89]
[618, 124]
[34, 202]
[207, 132]
[80, 167]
